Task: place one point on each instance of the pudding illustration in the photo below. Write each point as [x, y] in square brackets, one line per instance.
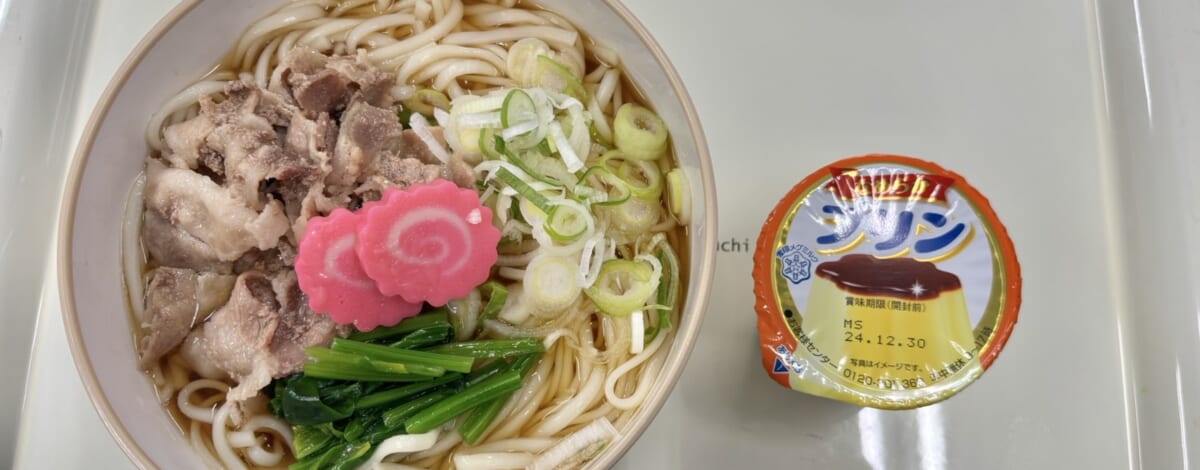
[894, 318]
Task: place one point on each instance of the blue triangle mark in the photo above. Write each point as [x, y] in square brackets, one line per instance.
[779, 367]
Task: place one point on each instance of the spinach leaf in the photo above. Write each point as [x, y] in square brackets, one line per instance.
[340, 456]
[308, 440]
[303, 400]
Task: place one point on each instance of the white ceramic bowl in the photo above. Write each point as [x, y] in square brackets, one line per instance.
[183, 47]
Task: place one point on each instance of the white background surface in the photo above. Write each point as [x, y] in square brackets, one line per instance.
[1017, 96]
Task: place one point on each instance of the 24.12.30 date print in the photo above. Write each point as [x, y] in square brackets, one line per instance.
[885, 340]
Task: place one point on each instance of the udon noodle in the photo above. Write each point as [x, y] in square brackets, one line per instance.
[589, 370]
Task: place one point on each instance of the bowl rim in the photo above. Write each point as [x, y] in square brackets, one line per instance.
[686, 337]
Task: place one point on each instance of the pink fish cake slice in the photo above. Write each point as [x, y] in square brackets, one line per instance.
[329, 273]
[432, 242]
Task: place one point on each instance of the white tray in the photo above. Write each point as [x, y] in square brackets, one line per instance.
[1077, 119]
[43, 45]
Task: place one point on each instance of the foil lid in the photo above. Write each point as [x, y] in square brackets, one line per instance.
[884, 281]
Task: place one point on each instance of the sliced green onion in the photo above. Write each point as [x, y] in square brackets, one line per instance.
[551, 284]
[679, 195]
[578, 133]
[599, 129]
[565, 150]
[532, 164]
[538, 199]
[639, 132]
[663, 326]
[484, 120]
[464, 315]
[601, 178]
[465, 138]
[590, 261]
[588, 194]
[420, 125]
[439, 413]
[644, 179]
[519, 109]
[524, 128]
[384, 353]
[623, 286]
[491, 348]
[635, 216]
[596, 136]
[530, 213]
[491, 167]
[425, 100]
[522, 60]
[545, 169]
[468, 104]
[490, 144]
[555, 76]
[546, 147]
[567, 221]
[506, 216]
[514, 312]
[668, 291]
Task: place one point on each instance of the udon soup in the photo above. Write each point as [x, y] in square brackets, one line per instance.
[407, 234]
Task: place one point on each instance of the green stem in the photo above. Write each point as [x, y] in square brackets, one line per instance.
[486, 372]
[483, 416]
[459, 403]
[491, 348]
[424, 337]
[397, 415]
[496, 299]
[419, 322]
[329, 364]
[396, 394]
[320, 370]
[384, 353]
[403, 368]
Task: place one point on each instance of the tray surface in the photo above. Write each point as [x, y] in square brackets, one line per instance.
[1019, 97]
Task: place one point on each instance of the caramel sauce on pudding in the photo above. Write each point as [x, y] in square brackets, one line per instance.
[903, 278]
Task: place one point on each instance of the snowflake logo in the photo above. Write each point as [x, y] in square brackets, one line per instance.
[796, 268]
